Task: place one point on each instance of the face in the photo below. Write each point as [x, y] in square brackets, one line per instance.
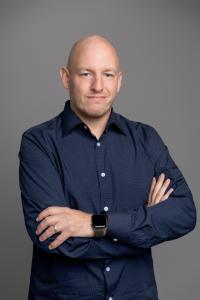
[93, 80]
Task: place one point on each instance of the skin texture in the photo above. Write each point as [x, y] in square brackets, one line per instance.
[93, 79]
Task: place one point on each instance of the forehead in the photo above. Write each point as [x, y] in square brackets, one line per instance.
[95, 55]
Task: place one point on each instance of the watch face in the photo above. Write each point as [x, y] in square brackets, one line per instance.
[99, 220]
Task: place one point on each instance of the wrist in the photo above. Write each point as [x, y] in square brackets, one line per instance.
[99, 224]
[89, 227]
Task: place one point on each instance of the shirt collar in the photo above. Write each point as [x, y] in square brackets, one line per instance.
[71, 120]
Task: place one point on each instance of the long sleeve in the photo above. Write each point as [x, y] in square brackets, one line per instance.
[41, 187]
[148, 226]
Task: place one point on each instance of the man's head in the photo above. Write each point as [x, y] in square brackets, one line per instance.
[92, 76]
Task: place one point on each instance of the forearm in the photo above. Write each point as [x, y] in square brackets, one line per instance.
[80, 247]
[168, 220]
[149, 226]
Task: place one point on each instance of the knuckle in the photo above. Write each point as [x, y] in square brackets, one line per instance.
[42, 226]
[45, 222]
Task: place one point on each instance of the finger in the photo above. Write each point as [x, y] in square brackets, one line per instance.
[162, 191]
[166, 196]
[45, 223]
[58, 241]
[48, 233]
[51, 210]
[158, 186]
[153, 183]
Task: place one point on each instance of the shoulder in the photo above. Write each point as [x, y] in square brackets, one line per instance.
[145, 134]
[143, 130]
[42, 134]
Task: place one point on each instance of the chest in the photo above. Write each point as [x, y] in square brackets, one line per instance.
[115, 173]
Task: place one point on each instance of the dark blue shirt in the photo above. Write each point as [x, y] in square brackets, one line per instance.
[63, 164]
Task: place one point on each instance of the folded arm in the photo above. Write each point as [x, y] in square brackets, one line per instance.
[41, 187]
[147, 226]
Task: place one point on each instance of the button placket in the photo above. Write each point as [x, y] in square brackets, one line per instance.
[108, 269]
[105, 204]
[98, 144]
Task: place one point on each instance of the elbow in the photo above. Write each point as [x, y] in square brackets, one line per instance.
[189, 217]
[190, 213]
[192, 219]
[180, 221]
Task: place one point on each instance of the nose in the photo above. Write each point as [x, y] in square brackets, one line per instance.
[97, 84]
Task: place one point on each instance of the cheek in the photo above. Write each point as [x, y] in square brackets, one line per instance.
[113, 87]
[80, 87]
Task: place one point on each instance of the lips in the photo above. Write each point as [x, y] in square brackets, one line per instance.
[97, 97]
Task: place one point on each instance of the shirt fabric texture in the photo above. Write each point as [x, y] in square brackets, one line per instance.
[63, 164]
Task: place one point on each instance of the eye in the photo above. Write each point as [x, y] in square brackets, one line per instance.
[109, 75]
[85, 74]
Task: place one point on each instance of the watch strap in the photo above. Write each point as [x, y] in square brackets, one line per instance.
[101, 232]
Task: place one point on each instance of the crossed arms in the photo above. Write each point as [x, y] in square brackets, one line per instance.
[167, 215]
[75, 223]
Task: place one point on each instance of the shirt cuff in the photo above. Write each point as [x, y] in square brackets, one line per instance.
[119, 226]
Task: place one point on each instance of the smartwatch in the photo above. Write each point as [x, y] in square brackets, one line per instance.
[99, 224]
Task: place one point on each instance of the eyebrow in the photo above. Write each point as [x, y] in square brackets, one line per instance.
[90, 70]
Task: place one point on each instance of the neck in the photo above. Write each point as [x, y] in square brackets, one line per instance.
[96, 125]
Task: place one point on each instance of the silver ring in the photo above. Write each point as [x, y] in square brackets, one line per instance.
[55, 229]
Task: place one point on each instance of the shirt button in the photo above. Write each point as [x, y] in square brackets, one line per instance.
[85, 126]
[106, 208]
[103, 174]
[115, 240]
[98, 144]
[108, 269]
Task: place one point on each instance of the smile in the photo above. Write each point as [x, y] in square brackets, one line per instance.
[97, 97]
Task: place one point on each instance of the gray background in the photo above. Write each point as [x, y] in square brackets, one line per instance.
[158, 42]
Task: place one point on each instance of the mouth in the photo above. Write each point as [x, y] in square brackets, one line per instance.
[97, 97]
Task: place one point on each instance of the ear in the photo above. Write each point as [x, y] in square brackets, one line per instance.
[64, 75]
[119, 83]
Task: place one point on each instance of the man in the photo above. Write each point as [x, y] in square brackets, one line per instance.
[98, 190]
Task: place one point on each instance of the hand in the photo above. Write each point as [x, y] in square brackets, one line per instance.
[157, 191]
[69, 222]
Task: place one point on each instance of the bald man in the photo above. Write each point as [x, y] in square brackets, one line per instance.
[98, 190]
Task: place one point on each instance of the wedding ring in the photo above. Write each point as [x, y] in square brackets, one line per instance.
[55, 229]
